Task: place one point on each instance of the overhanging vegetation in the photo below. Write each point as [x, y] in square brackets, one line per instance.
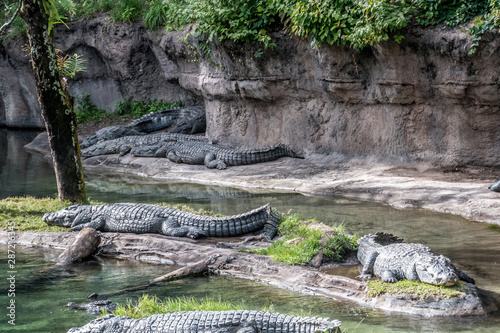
[353, 23]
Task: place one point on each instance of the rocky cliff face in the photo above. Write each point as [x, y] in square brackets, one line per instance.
[424, 100]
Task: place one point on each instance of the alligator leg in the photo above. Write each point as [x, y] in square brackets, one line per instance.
[124, 149]
[171, 227]
[367, 271]
[172, 156]
[212, 162]
[388, 276]
[97, 224]
[464, 277]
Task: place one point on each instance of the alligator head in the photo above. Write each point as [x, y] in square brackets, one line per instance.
[63, 217]
[436, 270]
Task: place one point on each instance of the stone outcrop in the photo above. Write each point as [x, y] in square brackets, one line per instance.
[424, 100]
[170, 250]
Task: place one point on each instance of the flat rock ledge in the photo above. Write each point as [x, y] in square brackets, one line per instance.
[169, 250]
[461, 191]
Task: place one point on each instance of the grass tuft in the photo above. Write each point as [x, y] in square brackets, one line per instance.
[147, 305]
[27, 212]
[417, 289]
[300, 243]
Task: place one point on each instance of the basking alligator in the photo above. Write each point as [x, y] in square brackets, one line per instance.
[124, 144]
[386, 256]
[188, 120]
[145, 218]
[233, 321]
[213, 156]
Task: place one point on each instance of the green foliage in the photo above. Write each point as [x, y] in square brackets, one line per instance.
[69, 66]
[245, 21]
[417, 289]
[300, 243]
[451, 12]
[26, 213]
[157, 15]
[134, 108]
[86, 111]
[7, 11]
[150, 305]
[127, 11]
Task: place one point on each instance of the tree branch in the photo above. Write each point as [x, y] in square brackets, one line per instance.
[6, 25]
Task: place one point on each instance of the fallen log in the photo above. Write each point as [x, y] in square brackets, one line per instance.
[85, 244]
[196, 269]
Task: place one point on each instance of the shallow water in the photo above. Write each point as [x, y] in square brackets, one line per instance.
[471, 246]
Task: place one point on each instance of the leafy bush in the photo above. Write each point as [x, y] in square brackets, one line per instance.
[86, 111]
[133, 108]
[300, 243]
[128, 11]
[238, 20]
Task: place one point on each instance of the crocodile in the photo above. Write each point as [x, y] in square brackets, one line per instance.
[388, 257]
[232, 321]
[211, 155]
[187, 120]
[146, 218]
[495, 187]
[124, 144]
[96, 307]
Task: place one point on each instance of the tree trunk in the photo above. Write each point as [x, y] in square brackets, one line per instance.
[55, 103]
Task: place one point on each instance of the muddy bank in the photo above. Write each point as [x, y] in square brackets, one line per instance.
[170, 250]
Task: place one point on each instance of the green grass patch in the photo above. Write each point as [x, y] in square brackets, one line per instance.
[86, 111]
[494, 227]
[27, 212]
[147, 305]
[418, 289]
[299, 243]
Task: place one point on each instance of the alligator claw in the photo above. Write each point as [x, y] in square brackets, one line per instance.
[364, 276]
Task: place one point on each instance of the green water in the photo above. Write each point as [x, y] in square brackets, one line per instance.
[472, 246]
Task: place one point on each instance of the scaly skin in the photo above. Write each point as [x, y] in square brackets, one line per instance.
[387, 257]
[124, 144]
[212, 156]
[145, 218]
[234, 321]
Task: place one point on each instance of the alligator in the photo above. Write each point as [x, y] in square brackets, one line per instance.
[146, 218]
[213, 156]
[388, 257]
[124, 144]
[232, 321]
[495, 187]
[96, 307]
[187, 120]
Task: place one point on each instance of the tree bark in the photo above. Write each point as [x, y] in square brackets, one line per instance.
[55, 103]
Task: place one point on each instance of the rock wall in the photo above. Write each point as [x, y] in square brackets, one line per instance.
[121, 62]
[424, 100]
